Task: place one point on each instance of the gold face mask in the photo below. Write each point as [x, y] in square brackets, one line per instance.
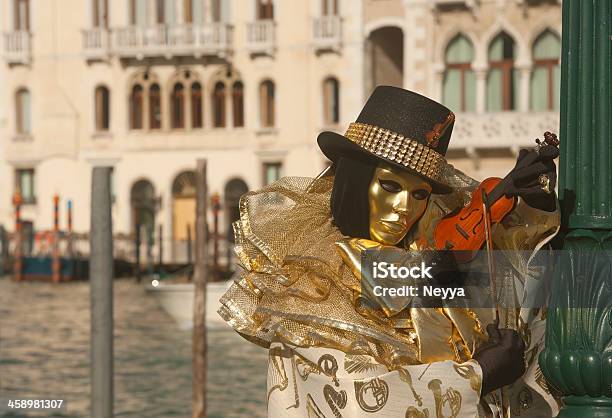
[397, 200]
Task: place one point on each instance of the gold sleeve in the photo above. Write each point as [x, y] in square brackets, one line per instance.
[526, 228]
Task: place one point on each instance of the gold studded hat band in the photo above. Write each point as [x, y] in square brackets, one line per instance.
[398, 149]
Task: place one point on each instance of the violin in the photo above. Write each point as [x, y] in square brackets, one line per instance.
[465, 230]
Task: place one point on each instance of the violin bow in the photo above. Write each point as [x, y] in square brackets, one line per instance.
[489, 245]
[491, 265]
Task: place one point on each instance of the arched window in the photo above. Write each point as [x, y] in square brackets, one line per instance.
[216, 11]
[502, 80]
[188, 11]
[100, 13]
[329, 7]
[545, 78]
[155, 118]
[331, 101]
[459, 86]
[160, 11]
[384, 58]
[21, 12]
[183, 207]
[143, 203]
[102, 108]
[136, 108]
[238, 103]
[266, 104]
[265, 9]
[138, 12]
[177, 103]
[219, 105]
[196, 105]
[23, 118]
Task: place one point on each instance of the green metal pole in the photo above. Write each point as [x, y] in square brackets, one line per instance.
[577, 359]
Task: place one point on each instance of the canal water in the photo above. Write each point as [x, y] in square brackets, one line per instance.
[44, 354]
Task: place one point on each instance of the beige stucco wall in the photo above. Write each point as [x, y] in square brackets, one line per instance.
[61, 80]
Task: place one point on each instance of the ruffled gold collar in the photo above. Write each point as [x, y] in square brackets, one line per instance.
[295, 286]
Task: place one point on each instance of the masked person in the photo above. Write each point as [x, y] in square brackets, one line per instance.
[301, 293]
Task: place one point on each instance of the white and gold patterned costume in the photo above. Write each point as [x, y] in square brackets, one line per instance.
[328, 358]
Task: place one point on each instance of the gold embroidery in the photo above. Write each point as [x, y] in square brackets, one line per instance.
[404, 375]
[467, 371]
[312, 408]
[336, 400]
[449, 401]
[372, 395]
[359, 364]
[412, 412]
[276, 371]
[305, 367]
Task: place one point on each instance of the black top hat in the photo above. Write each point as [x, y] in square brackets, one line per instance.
[400, 128]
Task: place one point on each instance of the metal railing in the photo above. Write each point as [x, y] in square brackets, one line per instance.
[17, 47]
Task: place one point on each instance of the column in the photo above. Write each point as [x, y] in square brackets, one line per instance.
[480, 72]
[524, 85]
[416, 47]
[577, 359]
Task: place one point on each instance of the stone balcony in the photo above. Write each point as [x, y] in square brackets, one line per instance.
[261, 37]
[512, 130]
[96, 43]
[17, 47]
[172, 40]
[327, 33]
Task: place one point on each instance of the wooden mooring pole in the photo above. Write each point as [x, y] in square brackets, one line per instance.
[160, 249]
[56, 262]
[101, 288]
[17, 253]
[137, 242]
[199, 302]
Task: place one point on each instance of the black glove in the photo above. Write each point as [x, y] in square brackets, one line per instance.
[526, 174]
[502, 358]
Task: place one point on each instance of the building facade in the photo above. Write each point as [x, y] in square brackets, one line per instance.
[149, 86]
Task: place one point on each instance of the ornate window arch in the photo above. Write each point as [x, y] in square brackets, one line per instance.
[502, 79]
[145, 110]
[238, 103]
[136, 107]
[546, 72]
[219, 93]
[186, 105]
[155, 113]
[459, 81]
[177, 105]
[227, 95]
[195, 98]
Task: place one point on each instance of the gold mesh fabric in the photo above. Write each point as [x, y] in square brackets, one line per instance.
[295, 286]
